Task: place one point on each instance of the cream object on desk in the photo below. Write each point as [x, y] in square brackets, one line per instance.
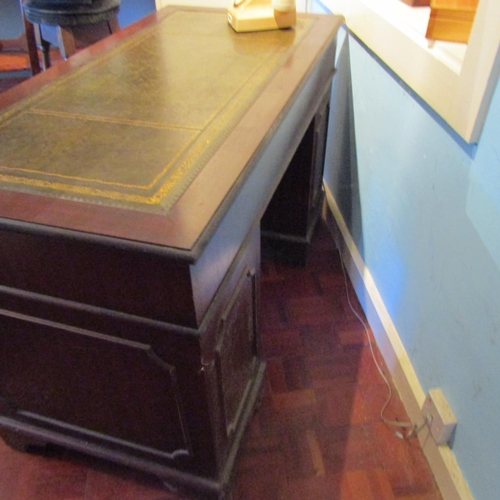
[260, 15]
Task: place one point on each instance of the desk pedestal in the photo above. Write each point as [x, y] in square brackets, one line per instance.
[169, 400]
[130, 261]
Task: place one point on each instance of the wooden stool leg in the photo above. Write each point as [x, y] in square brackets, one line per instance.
[32, 47]
[66, 41]
[113, 24]
[43, 46]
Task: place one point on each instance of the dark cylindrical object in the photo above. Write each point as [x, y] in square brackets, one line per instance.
[69, 12]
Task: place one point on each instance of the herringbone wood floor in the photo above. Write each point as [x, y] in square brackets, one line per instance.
[317, 435]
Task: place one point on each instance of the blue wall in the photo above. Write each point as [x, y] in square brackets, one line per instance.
[11, 23]
[132, 10]
[424, 211]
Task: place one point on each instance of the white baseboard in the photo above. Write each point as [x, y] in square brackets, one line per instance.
[441, 459]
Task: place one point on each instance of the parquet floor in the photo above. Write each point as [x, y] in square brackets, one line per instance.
[317, 434]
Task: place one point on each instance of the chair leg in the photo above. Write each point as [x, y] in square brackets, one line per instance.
[66, 41]
[43, 46]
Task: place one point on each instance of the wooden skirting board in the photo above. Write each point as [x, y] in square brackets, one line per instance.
[442, 461]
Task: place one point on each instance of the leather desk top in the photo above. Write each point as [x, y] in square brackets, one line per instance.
[136, 125]
[112, 142]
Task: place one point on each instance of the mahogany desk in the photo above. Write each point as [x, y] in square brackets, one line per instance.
[133, 180]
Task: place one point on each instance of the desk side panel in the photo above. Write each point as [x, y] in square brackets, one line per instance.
[118, 389]
[129, 281]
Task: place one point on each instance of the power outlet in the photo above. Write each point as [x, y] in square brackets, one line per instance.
[439, 416]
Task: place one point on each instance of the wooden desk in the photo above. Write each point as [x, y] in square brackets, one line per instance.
[133, 180]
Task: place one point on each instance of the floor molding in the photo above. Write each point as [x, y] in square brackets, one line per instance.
[441, 459]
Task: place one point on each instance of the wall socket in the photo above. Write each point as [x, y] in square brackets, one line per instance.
[439, 416]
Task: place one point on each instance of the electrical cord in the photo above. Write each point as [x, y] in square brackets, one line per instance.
[394, 423]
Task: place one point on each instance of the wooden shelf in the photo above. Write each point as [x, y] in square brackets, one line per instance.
[451, 20]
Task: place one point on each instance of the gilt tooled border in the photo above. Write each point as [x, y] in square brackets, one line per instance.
[186, 164]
